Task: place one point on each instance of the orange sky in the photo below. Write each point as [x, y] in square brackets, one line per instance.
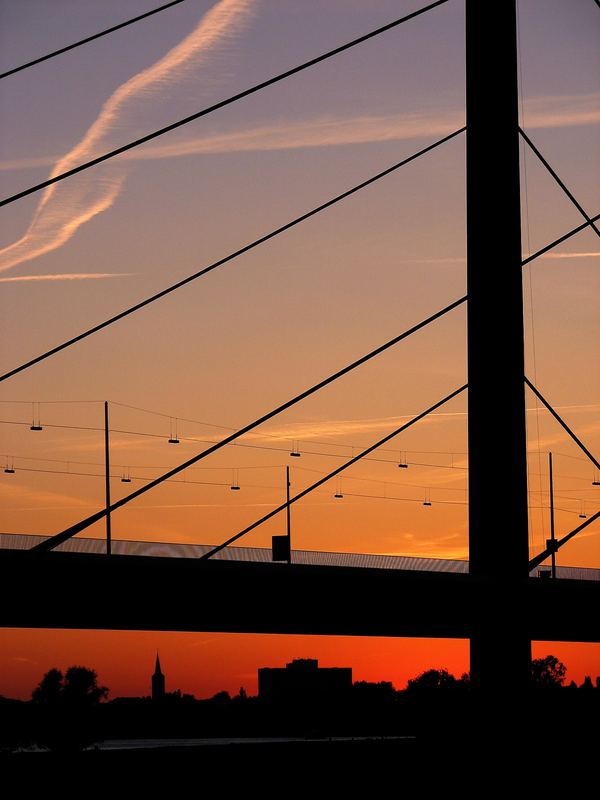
[205, 663]
[230, 347]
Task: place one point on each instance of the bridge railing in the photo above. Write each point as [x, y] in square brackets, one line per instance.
[263, 555]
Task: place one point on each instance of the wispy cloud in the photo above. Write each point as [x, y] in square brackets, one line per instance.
[66, 206]
[68, 276]
[305, 431]
[25, 494]
[324, 131]
[462, 259]
[562, 111]
[570, 255]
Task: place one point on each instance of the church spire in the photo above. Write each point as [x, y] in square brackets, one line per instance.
[158, 681]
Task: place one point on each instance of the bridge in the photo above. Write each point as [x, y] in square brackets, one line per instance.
[163, 586]
[499, 600]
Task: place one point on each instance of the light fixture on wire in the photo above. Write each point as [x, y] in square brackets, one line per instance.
[36, 424]
[173, 439]
[295, 451]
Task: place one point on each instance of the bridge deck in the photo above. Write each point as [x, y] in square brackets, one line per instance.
[156, 592]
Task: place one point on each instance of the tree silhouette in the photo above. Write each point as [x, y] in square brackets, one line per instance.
[50, 687]
[81, 686]
[432, 679]
[547, 672]
[66, 706]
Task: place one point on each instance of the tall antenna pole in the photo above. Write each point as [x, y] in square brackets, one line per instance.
[498, 532]
[288, 513]
[552, 535]
[107, 480]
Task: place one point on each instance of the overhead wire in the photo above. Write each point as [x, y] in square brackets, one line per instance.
[338, 470]
[244, 445]
[64, 535]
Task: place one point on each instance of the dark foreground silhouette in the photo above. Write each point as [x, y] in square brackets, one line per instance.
[69, 713]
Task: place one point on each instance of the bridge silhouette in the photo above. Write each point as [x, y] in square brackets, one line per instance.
[497, 600]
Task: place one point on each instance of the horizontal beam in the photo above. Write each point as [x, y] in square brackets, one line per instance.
[82, 591]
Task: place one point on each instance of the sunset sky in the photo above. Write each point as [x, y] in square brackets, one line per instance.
[224, 350]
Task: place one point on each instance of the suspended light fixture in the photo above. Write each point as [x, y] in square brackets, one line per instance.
[338, 490]
[173, 436]
[36, 424]
[295, 452]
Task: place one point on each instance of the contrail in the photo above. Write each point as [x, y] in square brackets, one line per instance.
[67, 276]
[65, 207]
[333, 131]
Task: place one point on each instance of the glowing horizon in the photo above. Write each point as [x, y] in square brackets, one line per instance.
[228, 348]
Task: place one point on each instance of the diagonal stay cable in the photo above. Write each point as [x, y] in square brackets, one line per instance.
[558, 543]
[561, 183]
[245, 249]
[89, 38]
[53, 541]
[560, 240]
[221, 104]
[563, 424]
[333, 473]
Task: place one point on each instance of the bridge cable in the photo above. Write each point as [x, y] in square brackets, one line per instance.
[89, 39]
[53, 541]
[221, 104]
[332, 474]
[530, 285]
[246, 248]
[558, 543]
[560, 240]
[563, 424]
[562, 185]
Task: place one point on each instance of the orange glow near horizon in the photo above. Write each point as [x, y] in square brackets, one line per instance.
[205, 663]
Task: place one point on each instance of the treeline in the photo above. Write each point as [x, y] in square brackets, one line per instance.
[70, 711]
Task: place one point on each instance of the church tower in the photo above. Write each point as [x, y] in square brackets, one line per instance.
[158, 682]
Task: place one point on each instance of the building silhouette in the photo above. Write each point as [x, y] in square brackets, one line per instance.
[303, 678]
[158, 682]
